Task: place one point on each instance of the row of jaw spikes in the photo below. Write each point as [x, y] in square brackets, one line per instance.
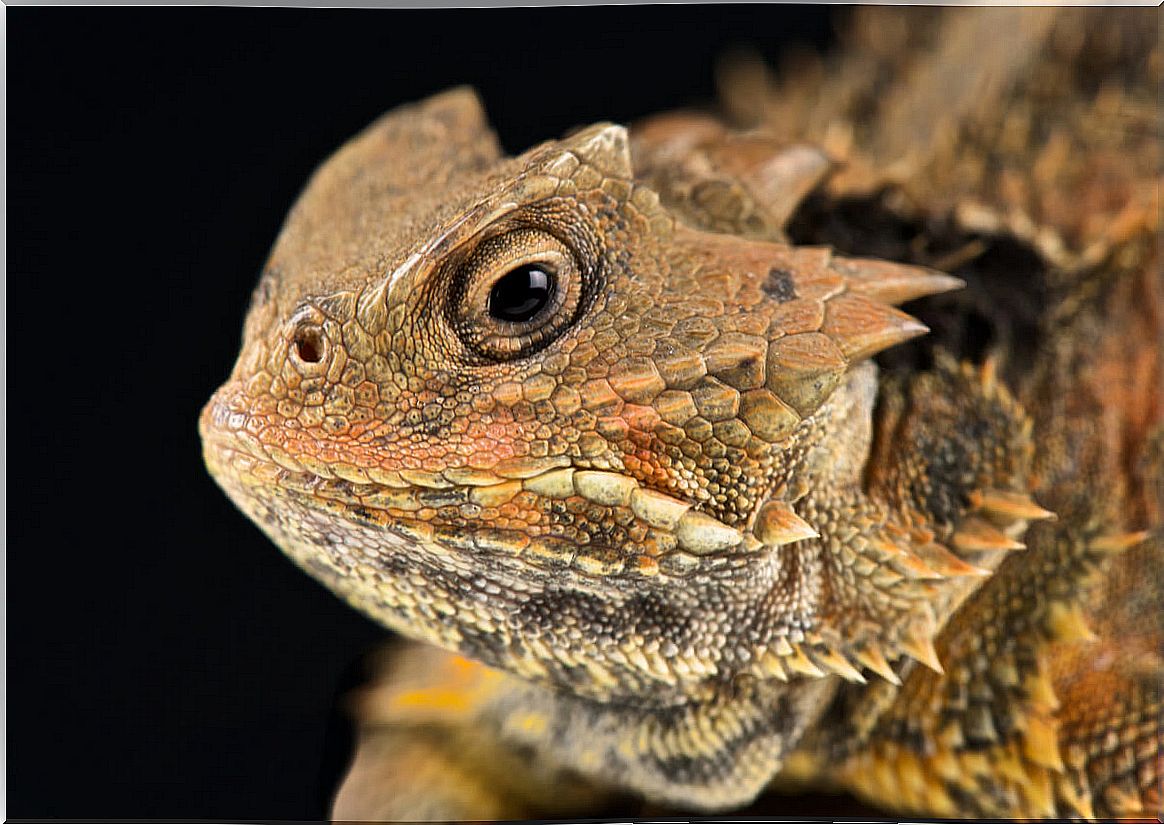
[785, 659]
[995, 519]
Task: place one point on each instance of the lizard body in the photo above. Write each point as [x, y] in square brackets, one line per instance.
[596, 426]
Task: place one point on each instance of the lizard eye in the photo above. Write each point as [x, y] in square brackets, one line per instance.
[521, 293]
[516, 293]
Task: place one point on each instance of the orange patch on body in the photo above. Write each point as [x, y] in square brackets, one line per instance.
[456, 687]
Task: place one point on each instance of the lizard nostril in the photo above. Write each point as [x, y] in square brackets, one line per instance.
[309, 345]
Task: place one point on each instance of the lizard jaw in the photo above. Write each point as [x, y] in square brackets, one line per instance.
[679, 538]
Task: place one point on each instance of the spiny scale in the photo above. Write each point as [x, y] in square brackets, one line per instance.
[862, 327]
[893, 283]
[918, 643]
[1117, 542]
[778, 524]
[945, 563]
[872, 658]
[1008, 505]
[835, 662]
[976, 534]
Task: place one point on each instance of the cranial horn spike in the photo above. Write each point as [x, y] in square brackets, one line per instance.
[918, 643]
[779, 179]
[777, 524]
[893, 283]
[976, 534]
[1013, 506]
[861, 327]
[872, 658]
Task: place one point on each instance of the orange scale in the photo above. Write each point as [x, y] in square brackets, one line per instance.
[500, 432]
[643, 456]
[645, 565]
[274, 435]
[264, 405]
[367, 458]
[640, 439]
[500, 451]
[358, 429]
[520, 448]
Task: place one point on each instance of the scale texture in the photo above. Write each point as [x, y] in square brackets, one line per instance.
[628, 437]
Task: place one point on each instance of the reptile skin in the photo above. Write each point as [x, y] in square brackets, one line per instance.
[678, 535]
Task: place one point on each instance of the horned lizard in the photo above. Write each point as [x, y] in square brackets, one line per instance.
[627, 434]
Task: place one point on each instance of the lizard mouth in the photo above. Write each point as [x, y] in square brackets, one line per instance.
[449, 510]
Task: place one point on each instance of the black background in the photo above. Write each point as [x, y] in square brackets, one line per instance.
[164, 660]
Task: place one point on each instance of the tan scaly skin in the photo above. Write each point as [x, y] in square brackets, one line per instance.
[676, 533]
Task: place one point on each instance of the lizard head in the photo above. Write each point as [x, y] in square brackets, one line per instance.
[514, 407]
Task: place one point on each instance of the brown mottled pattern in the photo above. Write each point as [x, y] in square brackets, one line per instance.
[671, 531]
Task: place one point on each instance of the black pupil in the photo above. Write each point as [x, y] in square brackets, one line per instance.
[521, 294]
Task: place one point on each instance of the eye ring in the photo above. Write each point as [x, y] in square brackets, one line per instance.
[515, 294]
